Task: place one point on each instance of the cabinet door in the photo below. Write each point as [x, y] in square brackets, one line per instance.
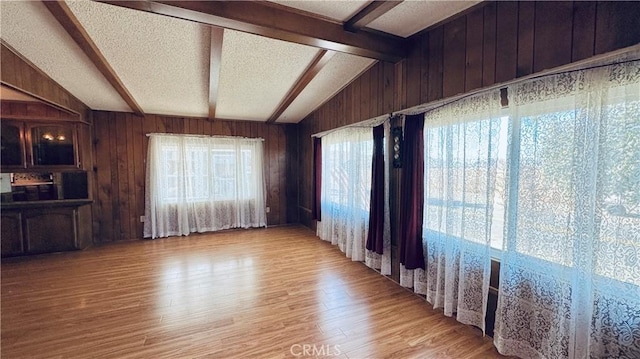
[50, 230]
[11, 235]
[53, 145]
[12, 147]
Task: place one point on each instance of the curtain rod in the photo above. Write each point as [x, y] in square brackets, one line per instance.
[528, 79]
[204, 136]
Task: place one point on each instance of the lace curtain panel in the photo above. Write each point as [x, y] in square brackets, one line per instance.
[201, 184]
[346, 192]
[461, 142]
[570, 268]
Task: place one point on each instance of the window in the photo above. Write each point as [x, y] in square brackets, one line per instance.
[349, 169]
[465, 146]
[210, 173]
[346, 189]
[569, 274]
[544, 179]
[204, 183]
[578, 178]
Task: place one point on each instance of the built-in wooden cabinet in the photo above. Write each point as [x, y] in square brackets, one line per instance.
[11, 234]
[44, 227]
[33, 145]
[12, 148]
[50, 230]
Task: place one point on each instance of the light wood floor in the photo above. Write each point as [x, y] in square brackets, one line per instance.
[262, 293]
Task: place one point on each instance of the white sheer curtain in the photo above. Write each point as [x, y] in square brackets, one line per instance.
[461, 142]
[346, 189]
[570, 269]
[200, 184]
[373, 259]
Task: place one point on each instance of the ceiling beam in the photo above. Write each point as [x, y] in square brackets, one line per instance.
[215, 63]
[374, 10]
[277, 22]
[318, 62]
[74, 28]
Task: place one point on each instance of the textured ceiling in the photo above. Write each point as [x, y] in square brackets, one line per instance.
[164, 61]
[338, 73]
[412, 16]
[257, 73]
[333, 9]
[32, 31]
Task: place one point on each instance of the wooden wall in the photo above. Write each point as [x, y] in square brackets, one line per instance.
[19, 73]
[120, 153]
[502, 41]
[22, 110]
[494, 43]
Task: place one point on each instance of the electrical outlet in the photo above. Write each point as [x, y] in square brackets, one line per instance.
[268, 209]
[142, 219]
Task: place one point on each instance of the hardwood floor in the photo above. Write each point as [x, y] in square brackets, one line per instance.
[265, 293]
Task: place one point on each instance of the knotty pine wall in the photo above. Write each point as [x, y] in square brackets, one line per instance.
[120, 153]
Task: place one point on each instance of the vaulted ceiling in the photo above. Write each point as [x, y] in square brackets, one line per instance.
[273, 61]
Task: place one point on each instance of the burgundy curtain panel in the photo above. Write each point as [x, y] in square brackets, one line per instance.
[412, 195]
[376, 209]
[317, 178]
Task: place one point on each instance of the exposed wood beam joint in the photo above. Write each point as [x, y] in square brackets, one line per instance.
[260, 18]
[318, 62]
[74, 28]
[374, 10]
[215, 60]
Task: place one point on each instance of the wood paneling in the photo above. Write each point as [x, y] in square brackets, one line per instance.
[616, 25]
[436, 38]
[19, 110]
[506, 40]
[584, 30]
[20, 73]
[489, 45]
[553, 34]
[526, 17]
[455, 54]
[424, 67]
[474, 42]
[120, 152]
[388, 90]
[414, 73]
